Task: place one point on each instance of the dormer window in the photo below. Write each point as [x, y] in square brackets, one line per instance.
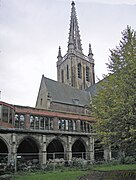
[75, 101]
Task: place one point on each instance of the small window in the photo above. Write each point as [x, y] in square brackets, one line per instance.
[79, 71]
[67, 72]
[21, 121]
[41, 102]
[36, 122]
[16, 121]
[62, 76]
[11, 116]
[87, 73]
[75, 101]
[31, 122]
[5, 113]
[46, 123]
[42, 123]
[22, 118]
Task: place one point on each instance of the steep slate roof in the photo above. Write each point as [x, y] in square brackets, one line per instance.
[64, 93]
[95, 88]
[92, 89]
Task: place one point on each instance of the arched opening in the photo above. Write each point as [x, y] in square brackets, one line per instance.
[78, 149]
[67, 72]
[62, 76]
[98, 151]
[87, 74]
[114, 152]
[28, 151]
[79, 71]
[3, 152]
[55, 150]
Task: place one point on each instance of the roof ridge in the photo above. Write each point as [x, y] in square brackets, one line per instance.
[64, 85]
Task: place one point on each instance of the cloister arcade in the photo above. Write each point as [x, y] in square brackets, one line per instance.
[41, 148]
[39, 135]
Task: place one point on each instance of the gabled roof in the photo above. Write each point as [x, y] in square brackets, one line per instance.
[64, 93]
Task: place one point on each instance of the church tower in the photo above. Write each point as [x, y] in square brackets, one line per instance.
[74, 68]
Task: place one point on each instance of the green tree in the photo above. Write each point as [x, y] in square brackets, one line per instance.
[114, 105]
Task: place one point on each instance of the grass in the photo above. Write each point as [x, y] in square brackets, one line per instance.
[73, 175]
[67, 175]
[114, 167]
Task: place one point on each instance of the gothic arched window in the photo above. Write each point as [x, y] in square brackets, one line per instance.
[87, 73]
[62, 76]
[67, 72]
[79, 70]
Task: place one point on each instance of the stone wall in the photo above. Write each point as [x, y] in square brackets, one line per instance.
[67, 108]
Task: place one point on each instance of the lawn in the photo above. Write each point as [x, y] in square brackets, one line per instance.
[67, 175]
[114, 167]
[74, 175]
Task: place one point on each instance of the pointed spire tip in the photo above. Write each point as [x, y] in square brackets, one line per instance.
[73, 3]
[74, 42]
[59, 53]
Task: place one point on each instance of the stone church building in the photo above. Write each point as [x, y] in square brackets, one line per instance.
[75, 74]
[61, 124]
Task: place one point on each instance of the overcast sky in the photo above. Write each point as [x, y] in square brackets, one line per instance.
[32, 30]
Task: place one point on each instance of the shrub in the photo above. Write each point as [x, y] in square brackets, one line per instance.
[78, 162]
[114, 162]
[127, 160]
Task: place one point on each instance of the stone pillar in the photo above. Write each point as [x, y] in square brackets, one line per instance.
[27, 121]
[78, 125]
[107, 153]
[91, 149]
[44, 153]
[69, 148]
[9, 154]
[55, 124]
[13, 158]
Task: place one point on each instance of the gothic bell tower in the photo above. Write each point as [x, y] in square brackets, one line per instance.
[74, 68]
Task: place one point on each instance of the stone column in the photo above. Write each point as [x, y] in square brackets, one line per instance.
[78, 125]
[55, 124]
[13, 158]
[107, 153]
[44, 153]
[91, 149]
[27, 121]
[69, 148]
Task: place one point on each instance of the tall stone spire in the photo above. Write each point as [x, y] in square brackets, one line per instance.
[74, 42]
[75, 68]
